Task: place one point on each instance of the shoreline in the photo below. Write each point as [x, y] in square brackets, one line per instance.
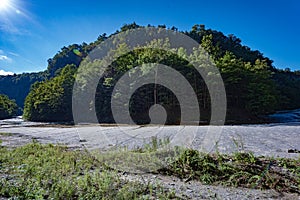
[279, 117]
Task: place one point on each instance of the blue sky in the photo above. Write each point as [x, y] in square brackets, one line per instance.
[32, 31]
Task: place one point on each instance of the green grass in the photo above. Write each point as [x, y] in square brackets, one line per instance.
[5, 134]
[146, 159]
[38, 171]
[238, 170]
[242, 169]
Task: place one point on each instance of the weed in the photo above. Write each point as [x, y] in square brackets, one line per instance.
[239, 170]
[5, 134]
[154, 145]
[38, 171]
[239, 144]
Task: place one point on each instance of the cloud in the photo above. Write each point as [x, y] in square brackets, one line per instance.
[2, 57]
[13, 54]
[5, 58]
[11, 29]
[5, 73]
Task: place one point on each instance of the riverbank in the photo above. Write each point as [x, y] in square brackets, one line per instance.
[271, 140]
[266, 140]
[36, 159]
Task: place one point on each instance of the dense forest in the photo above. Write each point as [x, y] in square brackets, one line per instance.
[254, 87]
[8, 107]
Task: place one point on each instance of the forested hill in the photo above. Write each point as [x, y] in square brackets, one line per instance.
[17, 86]
[253, 85]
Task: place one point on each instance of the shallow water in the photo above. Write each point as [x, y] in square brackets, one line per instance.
[18, 122]
[286, 116]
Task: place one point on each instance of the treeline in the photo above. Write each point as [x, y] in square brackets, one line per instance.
[51, 100]
[8, 107]
[254, 87]
[17, 86]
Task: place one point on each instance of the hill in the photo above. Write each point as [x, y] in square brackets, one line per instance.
[253, 85]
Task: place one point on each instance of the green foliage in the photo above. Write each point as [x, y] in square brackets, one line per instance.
[249, 87]
[38, 171]
[262, 97]
[17, 86]
[144, 97]
[126, 27]
[239, 170]
[253, 86]
[202, 166]
[71, 55]
[221, 43]
[51, 100]
[207, 44]
[138, 159]
[8, 107]
[288, 86]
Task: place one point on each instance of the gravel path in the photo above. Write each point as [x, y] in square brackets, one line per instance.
[267, 140]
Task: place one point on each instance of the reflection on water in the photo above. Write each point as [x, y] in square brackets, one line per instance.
[286, 116]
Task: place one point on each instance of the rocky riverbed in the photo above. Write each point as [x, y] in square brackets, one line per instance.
[274, 140]
[264, 140]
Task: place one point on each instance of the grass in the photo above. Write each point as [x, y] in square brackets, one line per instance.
[5, 134]
[238, 170]
[146, 159]
[37, 171]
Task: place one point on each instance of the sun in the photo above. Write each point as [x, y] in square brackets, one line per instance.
[4, 4]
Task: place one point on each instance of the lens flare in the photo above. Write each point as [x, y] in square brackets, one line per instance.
[4, 4]
[77, 52]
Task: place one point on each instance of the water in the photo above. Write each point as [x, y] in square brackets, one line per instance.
[288, 116]
[18, 122]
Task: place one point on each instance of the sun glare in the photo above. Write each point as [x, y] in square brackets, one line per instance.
[4, 4]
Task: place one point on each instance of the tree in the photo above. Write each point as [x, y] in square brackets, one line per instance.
[211, 49]
[8, 107]
[252, 84]
[51, 100]
[262, 97]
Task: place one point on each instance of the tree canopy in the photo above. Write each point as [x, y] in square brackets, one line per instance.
[254, 87]
[8, 107]
[50, 100]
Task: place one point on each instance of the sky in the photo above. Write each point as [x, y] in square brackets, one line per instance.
[32, 31]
